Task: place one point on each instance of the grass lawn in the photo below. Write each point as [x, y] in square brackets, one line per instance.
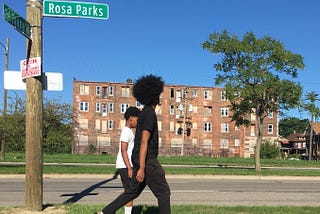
[176, 209]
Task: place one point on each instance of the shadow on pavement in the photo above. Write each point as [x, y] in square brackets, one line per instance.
[77, 196]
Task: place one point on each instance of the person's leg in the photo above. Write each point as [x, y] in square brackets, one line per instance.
[131, 193]
[156, 180]
[126, 183]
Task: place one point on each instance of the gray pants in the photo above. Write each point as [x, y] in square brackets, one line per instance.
[156, 181]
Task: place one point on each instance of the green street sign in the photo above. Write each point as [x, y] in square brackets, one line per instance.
[75, 9]
[19, 23]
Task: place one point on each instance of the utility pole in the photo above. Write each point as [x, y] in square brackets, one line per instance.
[34, 101]
[4, 112]
[185, 94]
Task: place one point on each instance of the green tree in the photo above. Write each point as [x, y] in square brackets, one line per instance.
[251, 70]
[314, 111]
[57, 128]
[292, 125]
[12, 127]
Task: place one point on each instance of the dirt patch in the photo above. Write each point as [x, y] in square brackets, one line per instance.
[48, 210]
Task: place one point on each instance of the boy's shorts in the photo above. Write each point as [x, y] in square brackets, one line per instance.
[124, 177]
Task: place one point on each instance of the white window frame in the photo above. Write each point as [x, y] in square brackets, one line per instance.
[98, 90]
[224, 143]
[223, 96]
[111, 107]
[84, 89]
[97, 107]
[111, 90]
[110, 124]
[104, 109]
[224, 111]
[270, 128]
[224, 127]
[124, 107]
[207, 127]
[84, 106]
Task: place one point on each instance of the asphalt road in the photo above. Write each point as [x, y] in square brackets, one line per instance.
[213, 190]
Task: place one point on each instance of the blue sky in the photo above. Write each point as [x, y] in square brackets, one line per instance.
[163, 38]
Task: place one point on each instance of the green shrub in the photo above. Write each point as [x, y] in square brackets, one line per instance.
[269, 150]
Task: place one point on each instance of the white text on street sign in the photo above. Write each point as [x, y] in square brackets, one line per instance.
[19, 23]
[31, 67]
[75, 9]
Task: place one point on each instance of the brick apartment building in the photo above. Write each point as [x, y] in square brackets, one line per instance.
[192, 120]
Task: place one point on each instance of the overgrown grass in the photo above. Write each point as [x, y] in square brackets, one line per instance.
[192, 209]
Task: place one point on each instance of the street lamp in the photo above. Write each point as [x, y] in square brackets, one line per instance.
[4, 112]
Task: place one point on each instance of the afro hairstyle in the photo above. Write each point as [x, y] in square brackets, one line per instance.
[147, 89]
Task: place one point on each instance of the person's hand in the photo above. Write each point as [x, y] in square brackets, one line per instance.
[140, 175]
[130, 173]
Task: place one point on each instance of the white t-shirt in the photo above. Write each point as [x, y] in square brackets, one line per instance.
[126, 136]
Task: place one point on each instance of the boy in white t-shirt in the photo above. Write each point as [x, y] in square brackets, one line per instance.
[123, 163]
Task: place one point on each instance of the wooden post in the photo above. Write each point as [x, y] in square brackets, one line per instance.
[34, 101]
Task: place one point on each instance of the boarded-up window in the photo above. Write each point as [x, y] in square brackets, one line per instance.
[83, 140]
[104, 126]
[104, 141]
[98, 125]
[84, 89]
[83, 123]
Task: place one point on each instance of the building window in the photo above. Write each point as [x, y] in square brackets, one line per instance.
[178, 96]
[207, 95]
[224, 143]
[172, 92]
[84, 106]
[97, 125]
[270, 128]
[171, 109]
[124, 107]
[84, 89]
[224, 112]
[104, 109]
[98, 90]
[195, 93]
[138, 104]
[104, 92]
[236, 142]
[125, 92]
[207, 127]
[97, 107]
[252, 130]
[103, 126]
[111, 92]
[111, 107]
[171, 126]
[270, 114]
[83, 123]
[110, 124]
[223, 96]
[207, 110]
[224, 127]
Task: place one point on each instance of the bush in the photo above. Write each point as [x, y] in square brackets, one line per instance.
[269, 150]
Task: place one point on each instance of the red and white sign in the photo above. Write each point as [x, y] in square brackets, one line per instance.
[30, 68]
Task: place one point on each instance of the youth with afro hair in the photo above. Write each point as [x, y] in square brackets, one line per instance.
[147, 171]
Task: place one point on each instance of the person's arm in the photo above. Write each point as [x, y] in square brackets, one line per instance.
[142, 155]
[124, 148]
